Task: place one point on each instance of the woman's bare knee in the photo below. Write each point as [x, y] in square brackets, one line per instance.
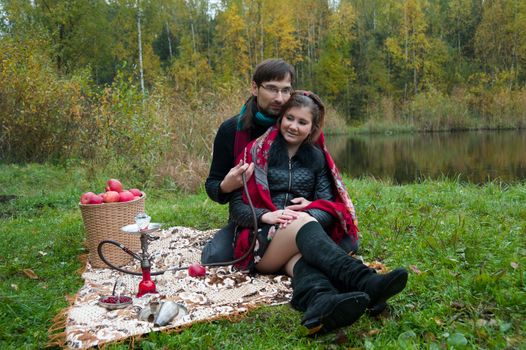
[297, 223]
[289, 266]
[279, 251]
[283, 246]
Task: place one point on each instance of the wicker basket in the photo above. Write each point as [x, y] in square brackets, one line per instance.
[104, 221]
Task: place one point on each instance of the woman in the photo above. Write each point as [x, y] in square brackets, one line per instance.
[292, 192]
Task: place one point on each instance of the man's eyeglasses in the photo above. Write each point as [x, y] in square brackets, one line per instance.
[274, 90]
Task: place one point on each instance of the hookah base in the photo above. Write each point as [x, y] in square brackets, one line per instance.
[146, 287]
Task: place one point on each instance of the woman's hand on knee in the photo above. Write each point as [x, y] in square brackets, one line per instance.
[291, 216]
[301, 217]
[281, 217]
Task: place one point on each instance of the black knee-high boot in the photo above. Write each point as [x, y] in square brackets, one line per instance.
[346, 272]
[324, 307]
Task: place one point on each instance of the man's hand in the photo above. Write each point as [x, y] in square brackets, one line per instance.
[299, 204]
[233, 180]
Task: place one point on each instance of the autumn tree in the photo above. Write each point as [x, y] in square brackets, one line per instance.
[334, 71]
[310, 22]
[418, 56]
[500, 41]
[189, 70]
[232, 55]
[375, 20]
[279, 33]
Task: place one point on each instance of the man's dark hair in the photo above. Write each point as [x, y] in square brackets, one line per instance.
[272, 69]
[268, 70]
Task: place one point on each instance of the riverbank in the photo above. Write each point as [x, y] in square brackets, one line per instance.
[433, 110]
[401, 127]
[463, 244]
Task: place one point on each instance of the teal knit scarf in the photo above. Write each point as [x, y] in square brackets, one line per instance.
[260, 117]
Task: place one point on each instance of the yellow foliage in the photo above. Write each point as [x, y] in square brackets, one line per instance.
[39, 113]
[231, 29]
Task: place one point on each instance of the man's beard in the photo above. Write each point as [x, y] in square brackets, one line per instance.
[271, 112]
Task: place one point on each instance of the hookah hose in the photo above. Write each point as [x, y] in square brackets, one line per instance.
[223, 263]
[254, 235]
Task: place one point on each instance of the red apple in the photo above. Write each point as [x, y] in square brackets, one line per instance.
[95, 199]
[136, 192]
[86, 197]
[110, 196]
[196, 270]
[126, 196]
[113, 185]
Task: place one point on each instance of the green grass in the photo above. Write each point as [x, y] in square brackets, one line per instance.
[465, 246]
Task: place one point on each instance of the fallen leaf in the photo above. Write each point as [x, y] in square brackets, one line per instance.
[373, 332]
[438, 321]
[341, 338]
[378, 266]
[514, 265]
[415, 269]
[14, 286]
[30, 273]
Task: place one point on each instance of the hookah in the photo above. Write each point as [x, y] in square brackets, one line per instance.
[143, 227]
[146, 285]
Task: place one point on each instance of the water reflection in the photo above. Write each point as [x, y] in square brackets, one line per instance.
[476, 156]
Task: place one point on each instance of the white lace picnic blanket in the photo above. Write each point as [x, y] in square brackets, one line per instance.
[222, 293]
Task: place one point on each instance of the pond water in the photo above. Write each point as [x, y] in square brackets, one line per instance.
[475, 156]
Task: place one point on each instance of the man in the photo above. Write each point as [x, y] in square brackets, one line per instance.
[271, 87]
